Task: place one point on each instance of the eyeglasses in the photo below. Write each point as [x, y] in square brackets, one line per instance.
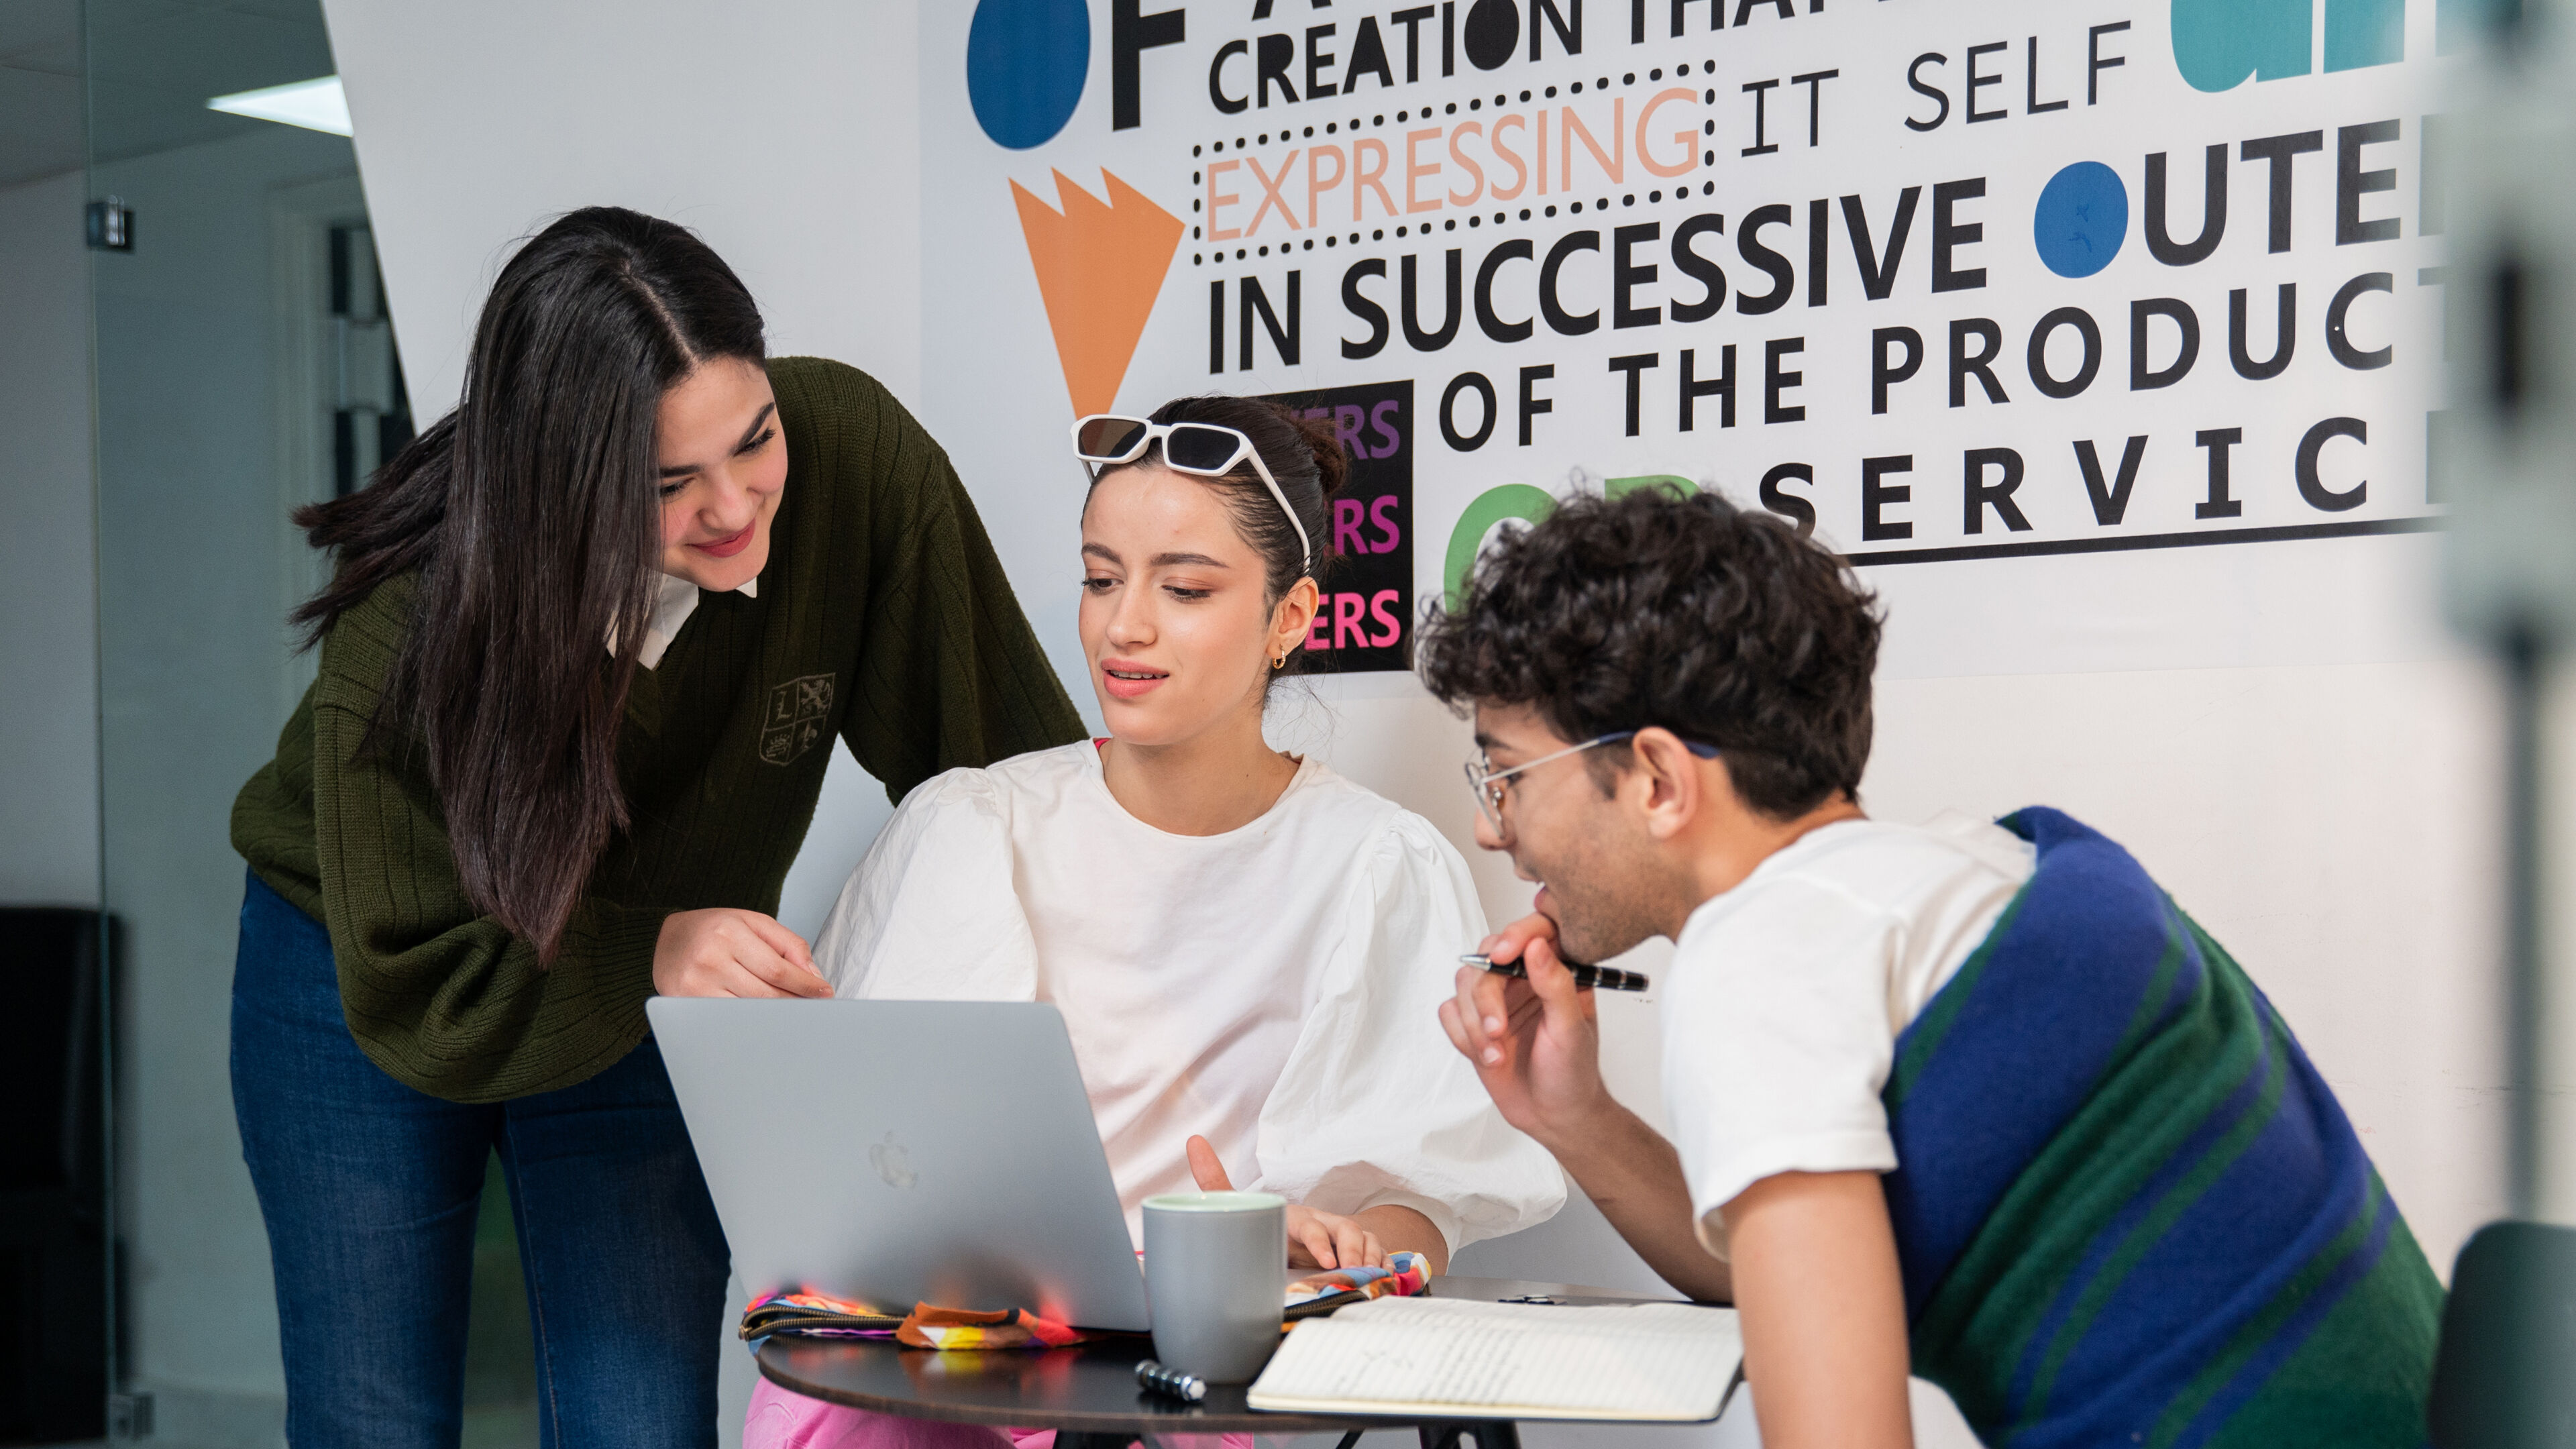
[1205, 450]
[1487, 781]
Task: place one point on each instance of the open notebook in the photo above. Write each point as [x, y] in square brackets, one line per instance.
[1651, 1362]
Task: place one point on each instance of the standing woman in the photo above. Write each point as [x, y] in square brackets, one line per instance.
[588, 643]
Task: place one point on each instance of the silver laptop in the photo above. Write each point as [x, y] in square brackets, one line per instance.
[904, 1151]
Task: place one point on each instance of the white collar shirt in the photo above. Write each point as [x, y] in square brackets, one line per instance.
[674, 600]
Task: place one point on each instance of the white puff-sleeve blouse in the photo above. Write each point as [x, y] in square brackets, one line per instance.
[1274, 988]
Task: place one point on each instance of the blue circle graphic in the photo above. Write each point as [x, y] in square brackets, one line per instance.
[1025, 63]
[2081, 219]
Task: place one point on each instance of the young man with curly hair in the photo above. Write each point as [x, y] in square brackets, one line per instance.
[1974, 1099]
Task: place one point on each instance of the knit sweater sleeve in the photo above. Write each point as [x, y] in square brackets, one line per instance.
[949, 672]
[442, 998]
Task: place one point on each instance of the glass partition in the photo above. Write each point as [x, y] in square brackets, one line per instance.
[244, 365]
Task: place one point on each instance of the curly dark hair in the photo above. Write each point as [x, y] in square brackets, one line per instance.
[1719, 624]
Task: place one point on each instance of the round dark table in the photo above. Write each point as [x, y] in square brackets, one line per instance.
[1088, 1393]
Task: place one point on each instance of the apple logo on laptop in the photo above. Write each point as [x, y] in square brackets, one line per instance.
[893, 1163]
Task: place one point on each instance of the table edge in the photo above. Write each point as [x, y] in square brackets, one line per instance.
[1181, 1421]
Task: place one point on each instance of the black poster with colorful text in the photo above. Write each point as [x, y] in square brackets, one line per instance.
[1365, 565]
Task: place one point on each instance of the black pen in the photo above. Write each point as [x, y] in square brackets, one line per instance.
[1170, 1381]
[1586, 978]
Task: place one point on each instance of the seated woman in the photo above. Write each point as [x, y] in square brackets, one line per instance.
[1249, 950]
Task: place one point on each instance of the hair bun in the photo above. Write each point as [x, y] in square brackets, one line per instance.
[1332, 463]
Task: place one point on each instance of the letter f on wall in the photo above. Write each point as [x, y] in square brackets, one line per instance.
[2218, 43]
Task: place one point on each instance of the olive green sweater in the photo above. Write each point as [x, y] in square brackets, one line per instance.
[882, 618]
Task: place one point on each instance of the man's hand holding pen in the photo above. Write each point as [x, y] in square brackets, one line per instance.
[1532, 1036]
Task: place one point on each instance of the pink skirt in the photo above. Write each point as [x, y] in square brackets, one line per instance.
[783, 1419]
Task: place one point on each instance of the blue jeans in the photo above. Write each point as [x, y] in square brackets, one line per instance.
[369, 1188]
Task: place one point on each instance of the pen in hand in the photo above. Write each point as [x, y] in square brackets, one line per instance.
[1586, 978]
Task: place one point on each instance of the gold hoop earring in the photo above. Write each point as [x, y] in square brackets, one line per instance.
[1279, 663]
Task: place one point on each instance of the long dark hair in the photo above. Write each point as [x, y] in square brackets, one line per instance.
[1303, 454]
[532, 516]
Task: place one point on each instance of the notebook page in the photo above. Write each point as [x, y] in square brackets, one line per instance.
[1662, 1361]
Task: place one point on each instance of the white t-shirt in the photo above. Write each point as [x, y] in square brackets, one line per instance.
[1788, 992]
[1275, 988]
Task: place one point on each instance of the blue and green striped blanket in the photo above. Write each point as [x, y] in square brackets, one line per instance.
[2128, 1209]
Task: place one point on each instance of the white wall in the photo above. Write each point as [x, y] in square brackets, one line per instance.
[784, 134]
[48, 587]
[2330, 821]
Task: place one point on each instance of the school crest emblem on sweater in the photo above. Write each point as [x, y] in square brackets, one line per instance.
[797, 711]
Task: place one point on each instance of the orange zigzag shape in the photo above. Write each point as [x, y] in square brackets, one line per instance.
[1099, 268]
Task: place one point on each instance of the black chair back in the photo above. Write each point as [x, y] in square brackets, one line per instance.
[49, 1046]
[54, 1281]
[2505, 1375]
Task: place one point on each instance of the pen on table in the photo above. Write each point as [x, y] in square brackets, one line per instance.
[1170, 1381]
[1586, 978]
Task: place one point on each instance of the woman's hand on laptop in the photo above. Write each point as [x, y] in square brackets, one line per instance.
[727, 952]
[1316, 1239]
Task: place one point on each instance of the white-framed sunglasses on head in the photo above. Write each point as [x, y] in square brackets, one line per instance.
[1205, 450]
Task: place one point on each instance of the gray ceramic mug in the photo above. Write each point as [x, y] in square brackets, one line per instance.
[1215, 1275]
